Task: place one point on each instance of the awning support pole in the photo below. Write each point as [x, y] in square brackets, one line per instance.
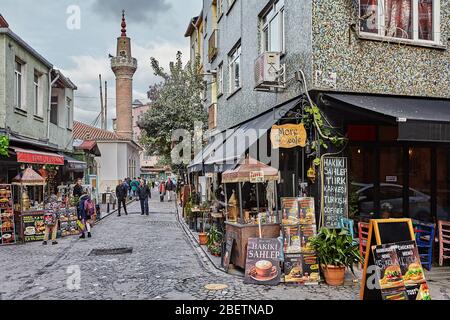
[226, 199]
[257, 197]
[241, 211]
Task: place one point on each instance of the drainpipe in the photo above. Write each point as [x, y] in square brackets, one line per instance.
[50, 83]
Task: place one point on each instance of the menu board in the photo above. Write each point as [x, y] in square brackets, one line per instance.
[289, 209]
[334, 191]
[263, 262]
[7, 224]
[306, 211]
[291, 239]
[68, 222]
[399, 271]
[33, 226]
[301, 269]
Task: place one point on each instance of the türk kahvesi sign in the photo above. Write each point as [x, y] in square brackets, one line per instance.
[334, 191]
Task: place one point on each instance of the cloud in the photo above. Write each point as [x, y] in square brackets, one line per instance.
[136, 10]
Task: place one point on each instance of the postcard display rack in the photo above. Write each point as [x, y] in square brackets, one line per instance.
[68, 222]
[301, 265]
[8, 228]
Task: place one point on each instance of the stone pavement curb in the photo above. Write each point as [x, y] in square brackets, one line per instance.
[206, 261]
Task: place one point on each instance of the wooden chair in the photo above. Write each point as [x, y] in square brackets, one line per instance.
[363, 234]
[444, 241]
[425, 233]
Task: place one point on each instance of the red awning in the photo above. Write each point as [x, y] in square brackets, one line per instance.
[38, 157]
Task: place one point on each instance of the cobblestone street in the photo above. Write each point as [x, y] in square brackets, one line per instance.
[164, 264]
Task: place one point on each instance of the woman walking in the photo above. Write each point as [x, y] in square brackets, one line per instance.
[86, 213]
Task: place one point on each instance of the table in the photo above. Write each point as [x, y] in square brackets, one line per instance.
[242, 232]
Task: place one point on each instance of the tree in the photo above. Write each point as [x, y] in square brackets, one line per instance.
[176, 104]
[4, 145]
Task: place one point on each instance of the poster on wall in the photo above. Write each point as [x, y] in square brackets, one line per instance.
[263, 262]
[334, 191]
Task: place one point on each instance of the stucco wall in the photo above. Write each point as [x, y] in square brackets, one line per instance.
[25, 124]
[107, 166]
[2, 81]
[374, 66]
[60, 134]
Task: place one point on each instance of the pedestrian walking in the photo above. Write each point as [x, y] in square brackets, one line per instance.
[170, 186]
[51, 226]
[78, 189]
[162, 190]
[128, 183]
[134, 187]
[144, 193]
[86, 214]
[121, 195]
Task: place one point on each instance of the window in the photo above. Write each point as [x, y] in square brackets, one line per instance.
[38, 96]
[272, 28]
[220, 80]
[69, 113]
[54, 110]
[18, 84]
[235, 68]
[416, 20]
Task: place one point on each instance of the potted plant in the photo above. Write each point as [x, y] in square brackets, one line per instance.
[336, 252]
[214, 241]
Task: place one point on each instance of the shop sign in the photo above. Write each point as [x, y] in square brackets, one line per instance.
[399, 272]
[256, 177]
[334, 191]
[23, 157]
[288, 136]
[263, 262]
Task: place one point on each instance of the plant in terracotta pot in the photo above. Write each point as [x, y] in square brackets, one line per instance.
[336, 252]
[214, 241]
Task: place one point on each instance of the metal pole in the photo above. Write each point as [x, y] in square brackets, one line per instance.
[276, 199]
[257, 197]
[226, 198]
[241, 211]
[293, 185]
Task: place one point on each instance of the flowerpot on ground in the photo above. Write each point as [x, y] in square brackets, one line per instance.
[203, 238]
[334, 275]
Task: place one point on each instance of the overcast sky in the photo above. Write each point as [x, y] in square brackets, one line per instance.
[156, 28]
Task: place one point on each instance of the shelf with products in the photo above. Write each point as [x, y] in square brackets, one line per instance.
[7, 223]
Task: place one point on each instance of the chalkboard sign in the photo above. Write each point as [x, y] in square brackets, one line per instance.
[383, 231]
[228, 252]
[334, 191]
[33, 226]
[263, 262]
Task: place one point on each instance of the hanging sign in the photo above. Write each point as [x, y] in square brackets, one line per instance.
[288, 136]
[257, 177]
[334, 191]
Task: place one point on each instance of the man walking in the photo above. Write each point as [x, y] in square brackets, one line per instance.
[144, 194]
[170, 188]
[121, 194]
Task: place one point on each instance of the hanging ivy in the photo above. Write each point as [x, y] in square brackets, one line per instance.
[313, 119]
[4, 145]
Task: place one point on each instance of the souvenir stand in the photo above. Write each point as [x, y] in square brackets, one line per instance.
[7, 225]
[29, 209]
[254, 223]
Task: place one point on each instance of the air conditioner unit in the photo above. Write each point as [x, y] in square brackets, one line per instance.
[268, 70]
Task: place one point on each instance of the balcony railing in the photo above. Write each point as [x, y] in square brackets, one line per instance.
[213, 44]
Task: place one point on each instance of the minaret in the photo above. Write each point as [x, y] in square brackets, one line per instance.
[124, 66]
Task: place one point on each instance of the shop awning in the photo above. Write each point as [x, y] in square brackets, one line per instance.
[197, 164]
[38, 157]
[248, 167]
[418, 119]
[74, 164]
[247, 134]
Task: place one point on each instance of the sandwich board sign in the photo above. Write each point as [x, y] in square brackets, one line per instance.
[391, 243]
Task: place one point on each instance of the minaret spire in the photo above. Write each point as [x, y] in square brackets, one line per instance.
[124, 25]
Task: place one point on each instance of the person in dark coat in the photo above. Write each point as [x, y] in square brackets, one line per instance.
[121, 194]
[78, 189]
[144, 194]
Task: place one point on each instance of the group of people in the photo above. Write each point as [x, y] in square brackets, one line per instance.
[86, 213]
[140, 189]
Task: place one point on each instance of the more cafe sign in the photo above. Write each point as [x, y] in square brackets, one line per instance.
[288, 136]
[257, 177]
